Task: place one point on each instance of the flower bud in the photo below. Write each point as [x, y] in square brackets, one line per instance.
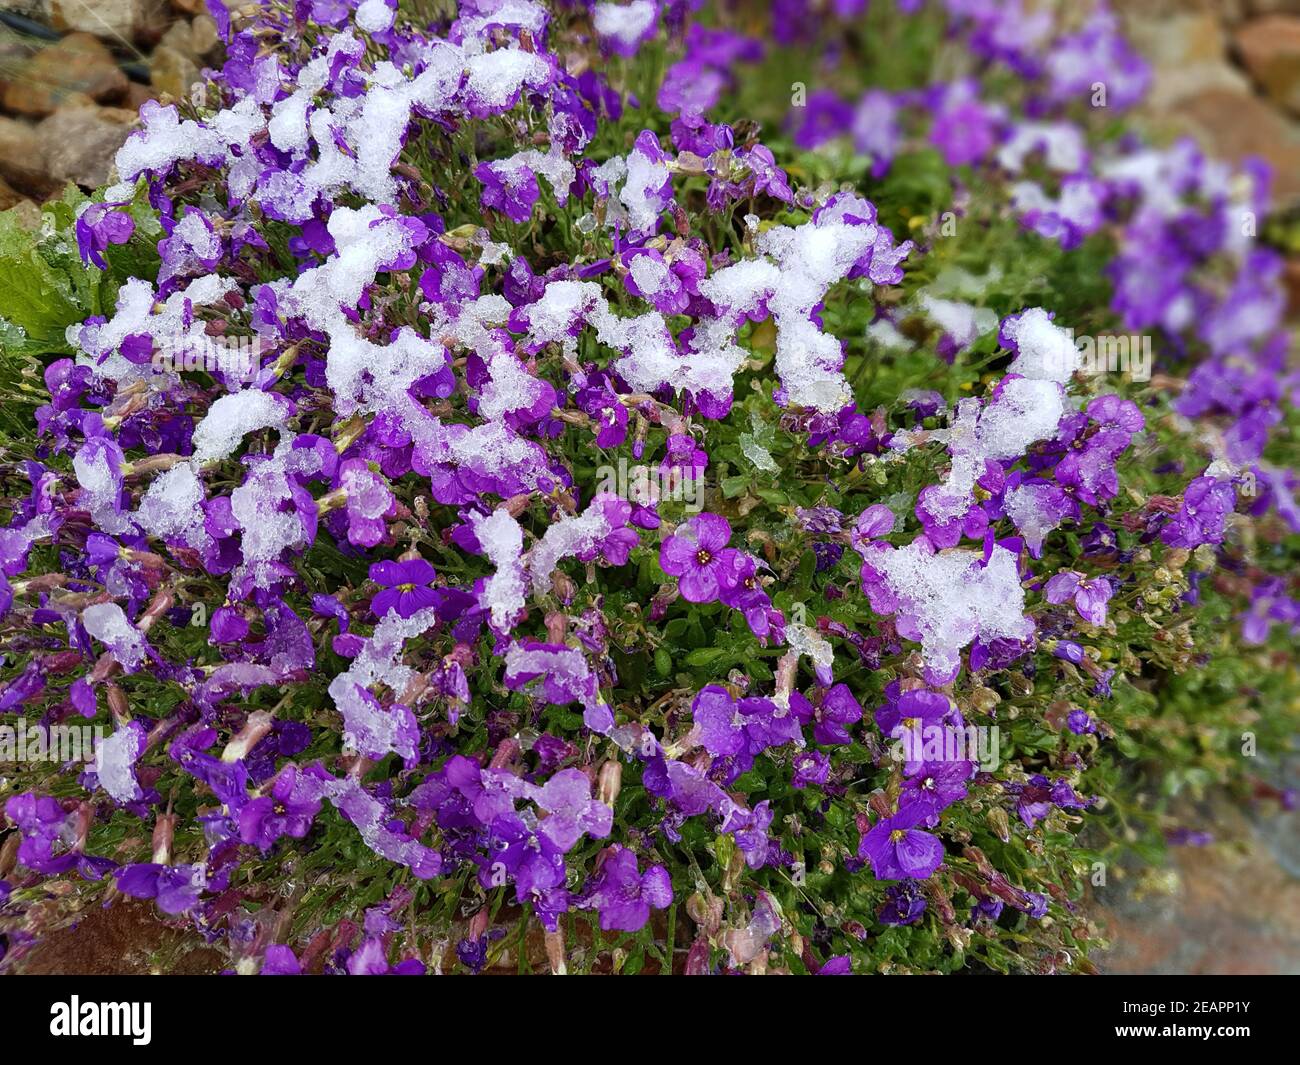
[705, 911]
[117, 706]
[555, 952]
[163, 831]
[557, 624]
[255, 729]
[697, 958]
[9, 853]
[507, 751]
[610, 782]
[997, 820]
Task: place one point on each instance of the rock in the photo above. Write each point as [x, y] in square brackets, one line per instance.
[1269, 7]
[137, 94]
[179, 36]
[205, 43]
[111, 19]
[36, 10]
[17, 141]
[197, 39]
[1230, 908]
[172, 72]
[1233, 126]
[1291, 278]
[14, 53]
[79, 63]
[21, 163]
[79, 143]
[27, 214]
[1189, 54]
[1228, 9]
[9, 196]
[1270, 49]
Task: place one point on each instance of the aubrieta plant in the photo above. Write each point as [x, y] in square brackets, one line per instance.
[640, 486]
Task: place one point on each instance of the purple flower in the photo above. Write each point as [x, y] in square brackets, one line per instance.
[912, 709]
[1034, 904]
[823, 117]
[904, 904]
[288, 810]
[371, 959]
[898, 850]
[1081, 723]
[571, 811]
[369, 502]
[769, 179]
[473, 953]
[936, 784]
[1202, 518]
[1090, 595]
[721, 729]
[98, 226]
[406, 587]
[742, 590]
[831, 718]
[1036, 797]
[509, 188]
[623, 895]
[279, 960]
[176, 888]
[696, 555]
[810, 768]
[227, 625]
[965, 130]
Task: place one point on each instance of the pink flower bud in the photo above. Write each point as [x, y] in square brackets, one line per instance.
[610, 782]
[163, 830]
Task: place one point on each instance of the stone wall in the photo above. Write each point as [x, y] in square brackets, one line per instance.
[69, 97]
[1227, 72]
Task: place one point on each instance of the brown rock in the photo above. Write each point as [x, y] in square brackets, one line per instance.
[137, 94]
[9, 196]
[14, 52]
[27, 214]
[79, 63]
[17, 141]
[204, 41]
[1291, 277]
[1270, 49]
[1189, 54]
[1233, 126]
[1270, 7]
[79, 143]
[113, 20]
[36, 10]
[179, 36]
[20, 158]
[1230, 908]
[172, 71]
[1228, 10]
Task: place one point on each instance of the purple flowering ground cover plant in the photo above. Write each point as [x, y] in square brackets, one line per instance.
[632, 487]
